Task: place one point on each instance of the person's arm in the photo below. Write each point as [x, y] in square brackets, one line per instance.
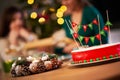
[13, 37]
[44, 43]
[27, 35]
[39, 43]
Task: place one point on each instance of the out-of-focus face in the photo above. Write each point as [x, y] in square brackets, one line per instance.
[17, 21]
[70, 4]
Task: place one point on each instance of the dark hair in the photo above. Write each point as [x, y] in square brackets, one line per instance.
[7, 19]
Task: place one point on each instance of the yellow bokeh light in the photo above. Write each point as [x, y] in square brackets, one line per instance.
[52, 9]
[30, 1]
[63, 8]
[60, 10]
[33, 15]
[41, 20]
[59, 14]
[60, 21]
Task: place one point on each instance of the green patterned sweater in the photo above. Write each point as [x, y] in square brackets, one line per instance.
[89, 14]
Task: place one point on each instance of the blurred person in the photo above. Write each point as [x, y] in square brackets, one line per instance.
[13, 32]
[81, 12]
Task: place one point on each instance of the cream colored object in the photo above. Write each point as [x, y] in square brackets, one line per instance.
[39, 43]
[57, 39]
[44, 43]
[59, 35]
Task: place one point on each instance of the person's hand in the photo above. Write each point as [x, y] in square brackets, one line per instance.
[24, 33]
[27, 35]
[70, 47]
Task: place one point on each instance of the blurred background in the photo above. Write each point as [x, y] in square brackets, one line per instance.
[46, 22]
[42, 16]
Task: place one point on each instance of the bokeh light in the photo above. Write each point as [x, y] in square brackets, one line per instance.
[30, 1]
[63, 8]
[52, 9]
[41, 20]
[59, 14]
[33, 15]
[60, 11]
[60, 21]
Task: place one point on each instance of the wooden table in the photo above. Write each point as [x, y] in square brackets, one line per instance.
[103, 71]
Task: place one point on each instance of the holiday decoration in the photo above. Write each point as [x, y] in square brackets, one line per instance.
[33, 15]
[86, 39]
[84, 28]
[71, 32]
[75, 35]
[52, 9]
[48, 65]
[60, 21]
[41, 15]
[106, 28]
[79, 27]
[102, 33]
[98, 36]
[41, 20]
[90, 25]
[87, 55]
[96, 53]
[108, 23]
[41, 67]
[59, 14]
[63, 8]
[30, 1]
[74, 24]
[32, 65]
[81, 38]
[95, 22]
[92, 39]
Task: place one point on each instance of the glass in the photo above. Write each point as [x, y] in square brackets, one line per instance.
[7, 65]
